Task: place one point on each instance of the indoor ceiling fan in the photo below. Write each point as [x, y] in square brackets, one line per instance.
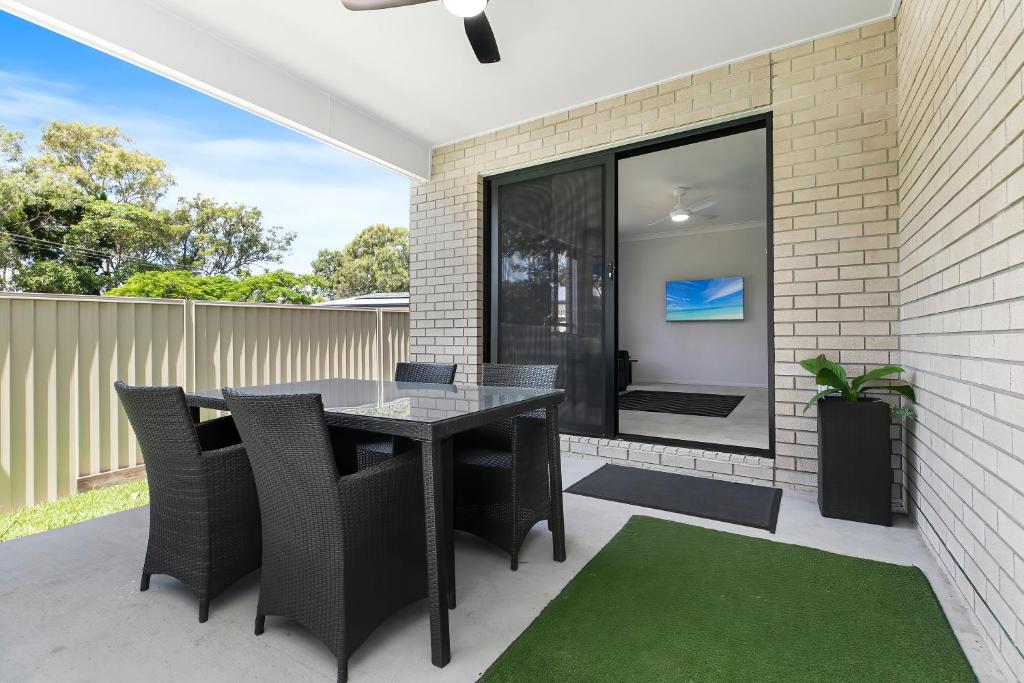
[478, 29]
[682, 212]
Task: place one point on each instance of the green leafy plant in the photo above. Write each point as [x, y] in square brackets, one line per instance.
[832, 375]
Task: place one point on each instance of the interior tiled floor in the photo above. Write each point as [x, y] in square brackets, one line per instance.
[746, 426]
[71, 609]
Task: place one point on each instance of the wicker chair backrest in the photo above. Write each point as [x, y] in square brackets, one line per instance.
[169, 443]
[432, 373]
[525, 376]
[293, 463]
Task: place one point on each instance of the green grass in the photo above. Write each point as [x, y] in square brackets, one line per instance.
[74, 509]
[672, 602]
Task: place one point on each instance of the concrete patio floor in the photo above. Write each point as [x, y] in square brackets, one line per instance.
[71, 609]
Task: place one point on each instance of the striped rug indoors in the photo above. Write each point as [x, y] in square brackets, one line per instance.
[678, 403]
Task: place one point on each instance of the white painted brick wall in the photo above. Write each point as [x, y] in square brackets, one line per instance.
[961, 252]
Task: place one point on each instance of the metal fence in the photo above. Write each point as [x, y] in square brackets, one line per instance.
[61, 426]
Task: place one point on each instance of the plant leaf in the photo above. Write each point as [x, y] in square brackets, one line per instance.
[838, 369]
[877, 373]
[904, 390]
[813, 365]
[829, 377]
[814, 399]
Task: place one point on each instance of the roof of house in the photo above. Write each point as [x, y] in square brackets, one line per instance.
[377, 300]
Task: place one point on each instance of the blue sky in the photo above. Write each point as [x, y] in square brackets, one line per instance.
[725, 292]
[324, 194]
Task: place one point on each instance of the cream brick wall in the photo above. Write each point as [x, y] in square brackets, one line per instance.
[834, 103]
[962, 296]
[835, 176]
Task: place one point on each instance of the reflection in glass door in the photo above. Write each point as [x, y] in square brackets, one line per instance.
[548, 297]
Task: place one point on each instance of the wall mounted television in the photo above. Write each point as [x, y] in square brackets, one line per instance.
[718, 298]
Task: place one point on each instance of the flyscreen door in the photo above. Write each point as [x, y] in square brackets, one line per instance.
[550, 271]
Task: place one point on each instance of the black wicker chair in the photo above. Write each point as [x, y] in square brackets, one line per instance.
[340, 553]
[204, 518]
[429, 373]
[374, 449]
[501, 484]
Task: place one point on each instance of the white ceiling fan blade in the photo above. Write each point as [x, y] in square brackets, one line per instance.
[704, 215]
[702, 204]
[660, 220]
[360, 5]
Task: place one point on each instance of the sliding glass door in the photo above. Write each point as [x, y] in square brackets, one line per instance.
[550, 299]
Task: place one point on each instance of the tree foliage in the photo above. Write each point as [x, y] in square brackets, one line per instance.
[210, 238]
[376, 260]
[96, 159]
[273, 287]
[82, 216]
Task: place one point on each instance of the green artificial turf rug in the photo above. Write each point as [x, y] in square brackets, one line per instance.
[672, 602]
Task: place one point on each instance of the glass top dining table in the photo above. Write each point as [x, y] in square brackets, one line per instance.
[431, 415]
[423, 407]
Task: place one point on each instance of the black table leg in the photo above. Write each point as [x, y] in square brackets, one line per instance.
[555, 478]
[437, 553]
[449, 517]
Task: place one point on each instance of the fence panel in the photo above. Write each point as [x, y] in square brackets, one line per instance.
[60, 422]
[395, 335]
[59, 357]
[247, 344]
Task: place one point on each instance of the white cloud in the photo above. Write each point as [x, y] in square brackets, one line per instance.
[724, 288]
[323, 194]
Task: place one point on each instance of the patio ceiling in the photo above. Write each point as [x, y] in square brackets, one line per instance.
[389, 85]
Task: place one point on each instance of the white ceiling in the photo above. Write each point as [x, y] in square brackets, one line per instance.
[731, 169]
[392, 83]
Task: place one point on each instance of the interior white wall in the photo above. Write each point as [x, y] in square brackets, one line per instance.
[725, 352]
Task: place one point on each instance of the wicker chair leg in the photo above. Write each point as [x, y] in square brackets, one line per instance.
[515, 560]
[342, 670]
[261, 622]
[144, 585]
[204, 610]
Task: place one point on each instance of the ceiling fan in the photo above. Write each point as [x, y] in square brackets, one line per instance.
[478, 29]
[682, 212]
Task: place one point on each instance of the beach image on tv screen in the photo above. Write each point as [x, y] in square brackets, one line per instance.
[717, 299]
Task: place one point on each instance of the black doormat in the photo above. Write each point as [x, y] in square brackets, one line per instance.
[679, 403]
[725, 501]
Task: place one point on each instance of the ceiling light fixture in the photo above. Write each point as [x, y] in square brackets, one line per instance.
[679, 215]
[464, 8]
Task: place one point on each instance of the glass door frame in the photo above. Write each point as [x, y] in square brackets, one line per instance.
[492, 302]
[609, 158]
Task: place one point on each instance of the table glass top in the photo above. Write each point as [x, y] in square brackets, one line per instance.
[411, 401]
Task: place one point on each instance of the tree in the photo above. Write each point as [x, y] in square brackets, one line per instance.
[81, 217]
[12, 143]
[274, 287]
[176, 284]
[211, 238]
[95, 158]
[376, 260]
[51, 276]
[125, 238]
[282, 287]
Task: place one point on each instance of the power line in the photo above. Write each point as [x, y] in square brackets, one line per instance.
[66, 247]
[82, 251]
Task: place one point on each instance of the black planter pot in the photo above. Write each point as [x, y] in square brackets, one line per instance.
[854, 473]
